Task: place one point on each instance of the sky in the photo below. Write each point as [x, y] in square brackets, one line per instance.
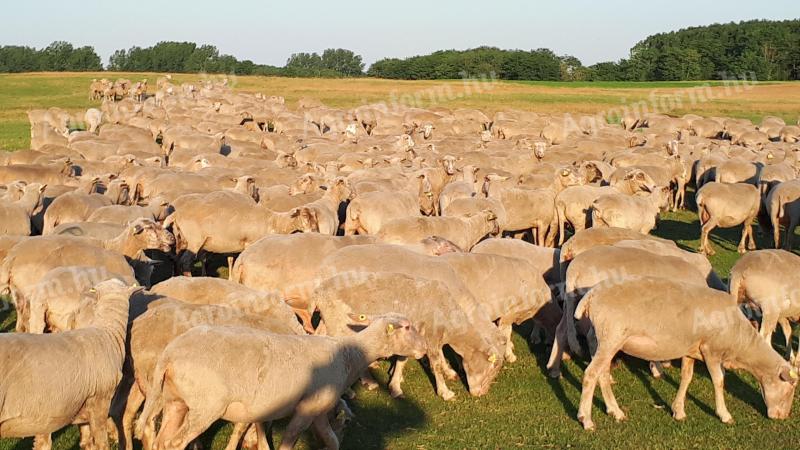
[268, 32]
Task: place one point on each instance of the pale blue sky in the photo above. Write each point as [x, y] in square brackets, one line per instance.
[268, 32]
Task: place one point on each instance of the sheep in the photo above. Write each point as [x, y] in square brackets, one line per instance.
[526, 209]
[511, 289]
[658, 319]
[321, 368]
[766, 279]
[15, 217]
[464, 232]
[463, 188]
[203, 222]
[727, 205]
[166, 319]
[74, 207]
[607, 262]
[75, 373]
[367, 213]
[360, 259]
[431, 305]
[93, 118]
[326, 209]
[782, 204]
[215, 291]
[55, 300]
[29, 260]
[637, 212]
[287, 265]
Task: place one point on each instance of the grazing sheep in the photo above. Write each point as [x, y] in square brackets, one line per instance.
[432, 306]
[767, 279]
[511, 289]
[727, 205]
[658, 319]
[609, 263]
[320, 369]
[368, 212]
[68, 377]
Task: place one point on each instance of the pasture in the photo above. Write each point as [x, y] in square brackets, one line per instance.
[525, 408]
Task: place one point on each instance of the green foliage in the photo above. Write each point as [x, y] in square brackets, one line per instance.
[333, 63]
[766, 50]
[59, 56]
[541, 64]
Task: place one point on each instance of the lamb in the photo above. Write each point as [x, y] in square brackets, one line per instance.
[74, 373]
[15, 217]
[226, 222]
[321, 367]
[607, 262]
[431, 305]
[171, 318]
[658, 319]
[464, 232]
[767, 278]
[727, 205]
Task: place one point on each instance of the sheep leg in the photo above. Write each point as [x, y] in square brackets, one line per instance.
[135, 400]
[98, 414]
[601, 363]
[436, 367]
[687, 371]
[230, 266]
[769, 322]
[557, 352]
[705, 247]
[612, 408]
[180, 425]
[42, 442]
[368, 381]
[297, 425]
[751, 240]
[776, 233]
[718, 378]
[448, 371]
[786, 327]
[396, 381]
[507, 329]
[322, 428]
[236, 435]
[793, 222]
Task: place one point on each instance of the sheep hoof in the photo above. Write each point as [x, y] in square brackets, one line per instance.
[679, 415]
[448, 395]
[554, 373]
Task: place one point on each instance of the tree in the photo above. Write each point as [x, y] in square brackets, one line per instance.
[343, 62]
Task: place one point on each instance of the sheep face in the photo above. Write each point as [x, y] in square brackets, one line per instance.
[778, 392]
[151, 235]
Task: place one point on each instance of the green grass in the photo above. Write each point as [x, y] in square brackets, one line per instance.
[524, 409]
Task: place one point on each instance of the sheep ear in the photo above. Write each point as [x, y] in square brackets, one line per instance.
[324, 188]
[42, 188]
[137, 229]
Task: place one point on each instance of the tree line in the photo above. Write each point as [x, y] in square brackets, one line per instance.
[59, 56]
[766, 50]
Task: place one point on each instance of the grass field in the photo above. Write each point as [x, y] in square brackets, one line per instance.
[524, 409]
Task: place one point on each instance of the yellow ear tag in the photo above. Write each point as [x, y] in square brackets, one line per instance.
[564, 172]
[492, 358]
[362, 318]
[389, 329]
[92, 290]
[793, 373]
